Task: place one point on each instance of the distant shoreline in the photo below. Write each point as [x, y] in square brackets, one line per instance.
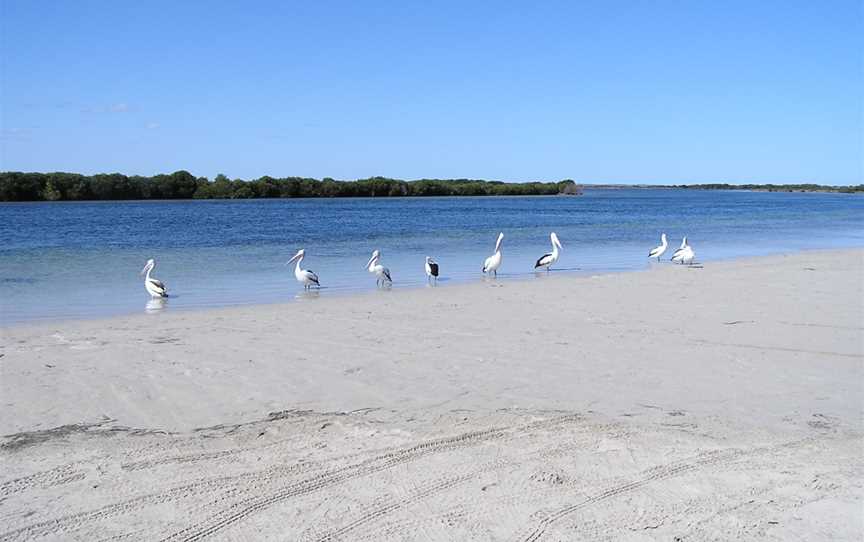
[815, 188]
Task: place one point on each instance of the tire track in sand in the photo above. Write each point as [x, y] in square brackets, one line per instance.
[655, 474]
[374, 513]
[242, 509]
[245, 508]
[52, 477]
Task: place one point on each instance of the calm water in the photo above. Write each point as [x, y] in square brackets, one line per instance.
[73, 260]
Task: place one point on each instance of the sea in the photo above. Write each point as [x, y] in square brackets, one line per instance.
[81, 260]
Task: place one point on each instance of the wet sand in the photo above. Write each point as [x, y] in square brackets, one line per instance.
[703, 403]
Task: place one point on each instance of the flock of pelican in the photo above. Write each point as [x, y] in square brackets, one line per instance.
[683, 255]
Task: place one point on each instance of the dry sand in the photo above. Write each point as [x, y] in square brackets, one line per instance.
[722, 402]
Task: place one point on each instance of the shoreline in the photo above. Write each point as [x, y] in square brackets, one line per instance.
[409, 286]
[349, 315]
[721, 402]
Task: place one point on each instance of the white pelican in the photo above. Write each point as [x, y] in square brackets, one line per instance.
[656, 252]
[684, 254]
[154, 287]
[381, 273]
[304, 276]
[493, 262]
[431, 269]
[679, 249]
[549, 258]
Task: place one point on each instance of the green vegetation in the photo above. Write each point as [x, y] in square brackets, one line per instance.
[17, 186]
[775, 187]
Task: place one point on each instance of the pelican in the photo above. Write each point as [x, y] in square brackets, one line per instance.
[431, 270]
[549, 258]
[154, 287]
[493, 262]
[381, 273]
[684, 254]
[656, 252]
[679, 249]
[304, 276]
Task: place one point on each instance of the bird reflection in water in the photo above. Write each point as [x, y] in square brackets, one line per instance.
[154, 305]
[309, 294]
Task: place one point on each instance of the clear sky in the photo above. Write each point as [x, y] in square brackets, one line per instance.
[605, 91]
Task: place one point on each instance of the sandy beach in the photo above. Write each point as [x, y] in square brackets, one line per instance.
[721, 401]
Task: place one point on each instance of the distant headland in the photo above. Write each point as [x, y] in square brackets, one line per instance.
[807, 187]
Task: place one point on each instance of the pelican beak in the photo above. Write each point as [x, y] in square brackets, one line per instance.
[145, 269]
[292, 259]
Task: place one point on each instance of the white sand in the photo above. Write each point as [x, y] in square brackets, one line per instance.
[700, 403]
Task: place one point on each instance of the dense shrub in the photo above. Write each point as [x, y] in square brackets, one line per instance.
[17, 186]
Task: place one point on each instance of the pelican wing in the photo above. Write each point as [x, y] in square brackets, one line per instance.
[433, 269]
[654, 251]
[544, 260]
[159, 286]
[386, 273]
[312, 276]
[486, 263]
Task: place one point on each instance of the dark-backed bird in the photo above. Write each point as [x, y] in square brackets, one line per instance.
[549, 258]
[153, 286]
[382, 274]
[304, 276]
[658, 251]
[685, 254]
[431, 270]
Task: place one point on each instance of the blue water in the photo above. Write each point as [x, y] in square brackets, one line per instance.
[81, 259]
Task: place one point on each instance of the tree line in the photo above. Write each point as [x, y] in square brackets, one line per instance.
[20, 186]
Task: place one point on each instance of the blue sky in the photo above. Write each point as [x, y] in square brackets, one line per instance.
[666, 91]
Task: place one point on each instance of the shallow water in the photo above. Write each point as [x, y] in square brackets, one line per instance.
[81, 259]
